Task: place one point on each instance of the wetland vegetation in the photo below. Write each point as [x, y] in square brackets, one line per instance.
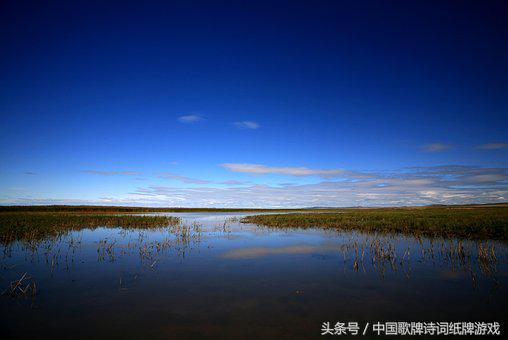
[466, 222]
[38, 222]
[39, 225]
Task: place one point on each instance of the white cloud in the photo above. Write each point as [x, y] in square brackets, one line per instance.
[190, 119]
[111, 173]
[233, 182]
[247, 124]
[493, 146]
[170, 175]
[436, 147]
[291, 171]
[408, 186]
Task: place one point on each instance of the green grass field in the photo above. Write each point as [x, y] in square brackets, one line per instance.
[468, 222]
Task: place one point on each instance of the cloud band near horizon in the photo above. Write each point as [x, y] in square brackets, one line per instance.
[404, 187]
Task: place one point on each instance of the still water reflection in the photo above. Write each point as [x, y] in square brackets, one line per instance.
[213, 276]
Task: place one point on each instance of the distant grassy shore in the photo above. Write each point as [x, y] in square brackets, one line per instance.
[467, 222]
[92, 209]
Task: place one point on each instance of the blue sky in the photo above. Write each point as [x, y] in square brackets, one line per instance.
[253, 104]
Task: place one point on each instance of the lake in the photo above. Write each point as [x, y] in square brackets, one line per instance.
[214, 277]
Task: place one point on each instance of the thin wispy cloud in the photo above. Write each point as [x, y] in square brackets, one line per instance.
[187, 119]
[436, 147]
[287, 184]
[493, 146]
[233, 182]
[247, 124]
[111, 173]
[184, 179]
[30, 173]
[290, 171]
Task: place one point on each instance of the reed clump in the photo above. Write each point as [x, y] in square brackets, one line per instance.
[24, 286]
[446, 222]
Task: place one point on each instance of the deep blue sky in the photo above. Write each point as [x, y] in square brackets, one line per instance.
[93, 94]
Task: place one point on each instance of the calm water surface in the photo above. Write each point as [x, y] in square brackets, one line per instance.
[214, 277]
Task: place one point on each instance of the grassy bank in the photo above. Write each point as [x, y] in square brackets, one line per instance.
[468, 222]
[38, 225]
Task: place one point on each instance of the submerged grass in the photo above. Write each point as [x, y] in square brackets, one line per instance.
[467, 222]
[38, 225]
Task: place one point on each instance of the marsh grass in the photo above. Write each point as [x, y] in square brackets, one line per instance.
[24, 286]
[28, 226]
[476, 258]
[474, 222]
